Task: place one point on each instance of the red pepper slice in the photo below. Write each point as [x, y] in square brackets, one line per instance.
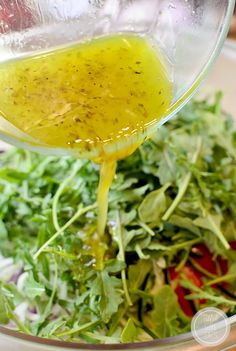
[180, 292]
[196, 278]
[233, 245]
[14, 16]
[193, 275]
[185, 304]
[204, 258]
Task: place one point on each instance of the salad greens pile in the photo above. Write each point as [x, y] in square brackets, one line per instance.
[170, 241]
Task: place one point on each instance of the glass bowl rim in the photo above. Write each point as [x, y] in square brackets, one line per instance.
[170, 341]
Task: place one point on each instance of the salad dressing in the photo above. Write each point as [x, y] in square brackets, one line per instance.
[90, 98]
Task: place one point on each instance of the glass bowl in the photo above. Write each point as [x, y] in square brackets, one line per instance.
[221, 78]
[188, 33]
[188, 75]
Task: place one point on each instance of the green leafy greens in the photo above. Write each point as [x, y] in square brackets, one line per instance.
[178, 190]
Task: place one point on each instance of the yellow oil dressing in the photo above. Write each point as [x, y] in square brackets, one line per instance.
[88, 97]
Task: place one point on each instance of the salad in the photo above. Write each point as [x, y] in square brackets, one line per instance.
[169, 247]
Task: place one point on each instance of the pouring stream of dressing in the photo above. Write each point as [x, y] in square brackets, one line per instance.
[96, 95]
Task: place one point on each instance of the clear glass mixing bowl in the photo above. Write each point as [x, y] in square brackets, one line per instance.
[189, 34]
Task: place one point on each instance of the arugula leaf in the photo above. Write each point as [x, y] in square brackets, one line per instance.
[114, 266]
[153, 205]
[137, 274]
[3, 231]
[52, 327]
[107, 289]
[212, 223]
[208, 294]
[185, 223]
[166, 313]
[33, 288]
[130, 332]
[4, 312]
